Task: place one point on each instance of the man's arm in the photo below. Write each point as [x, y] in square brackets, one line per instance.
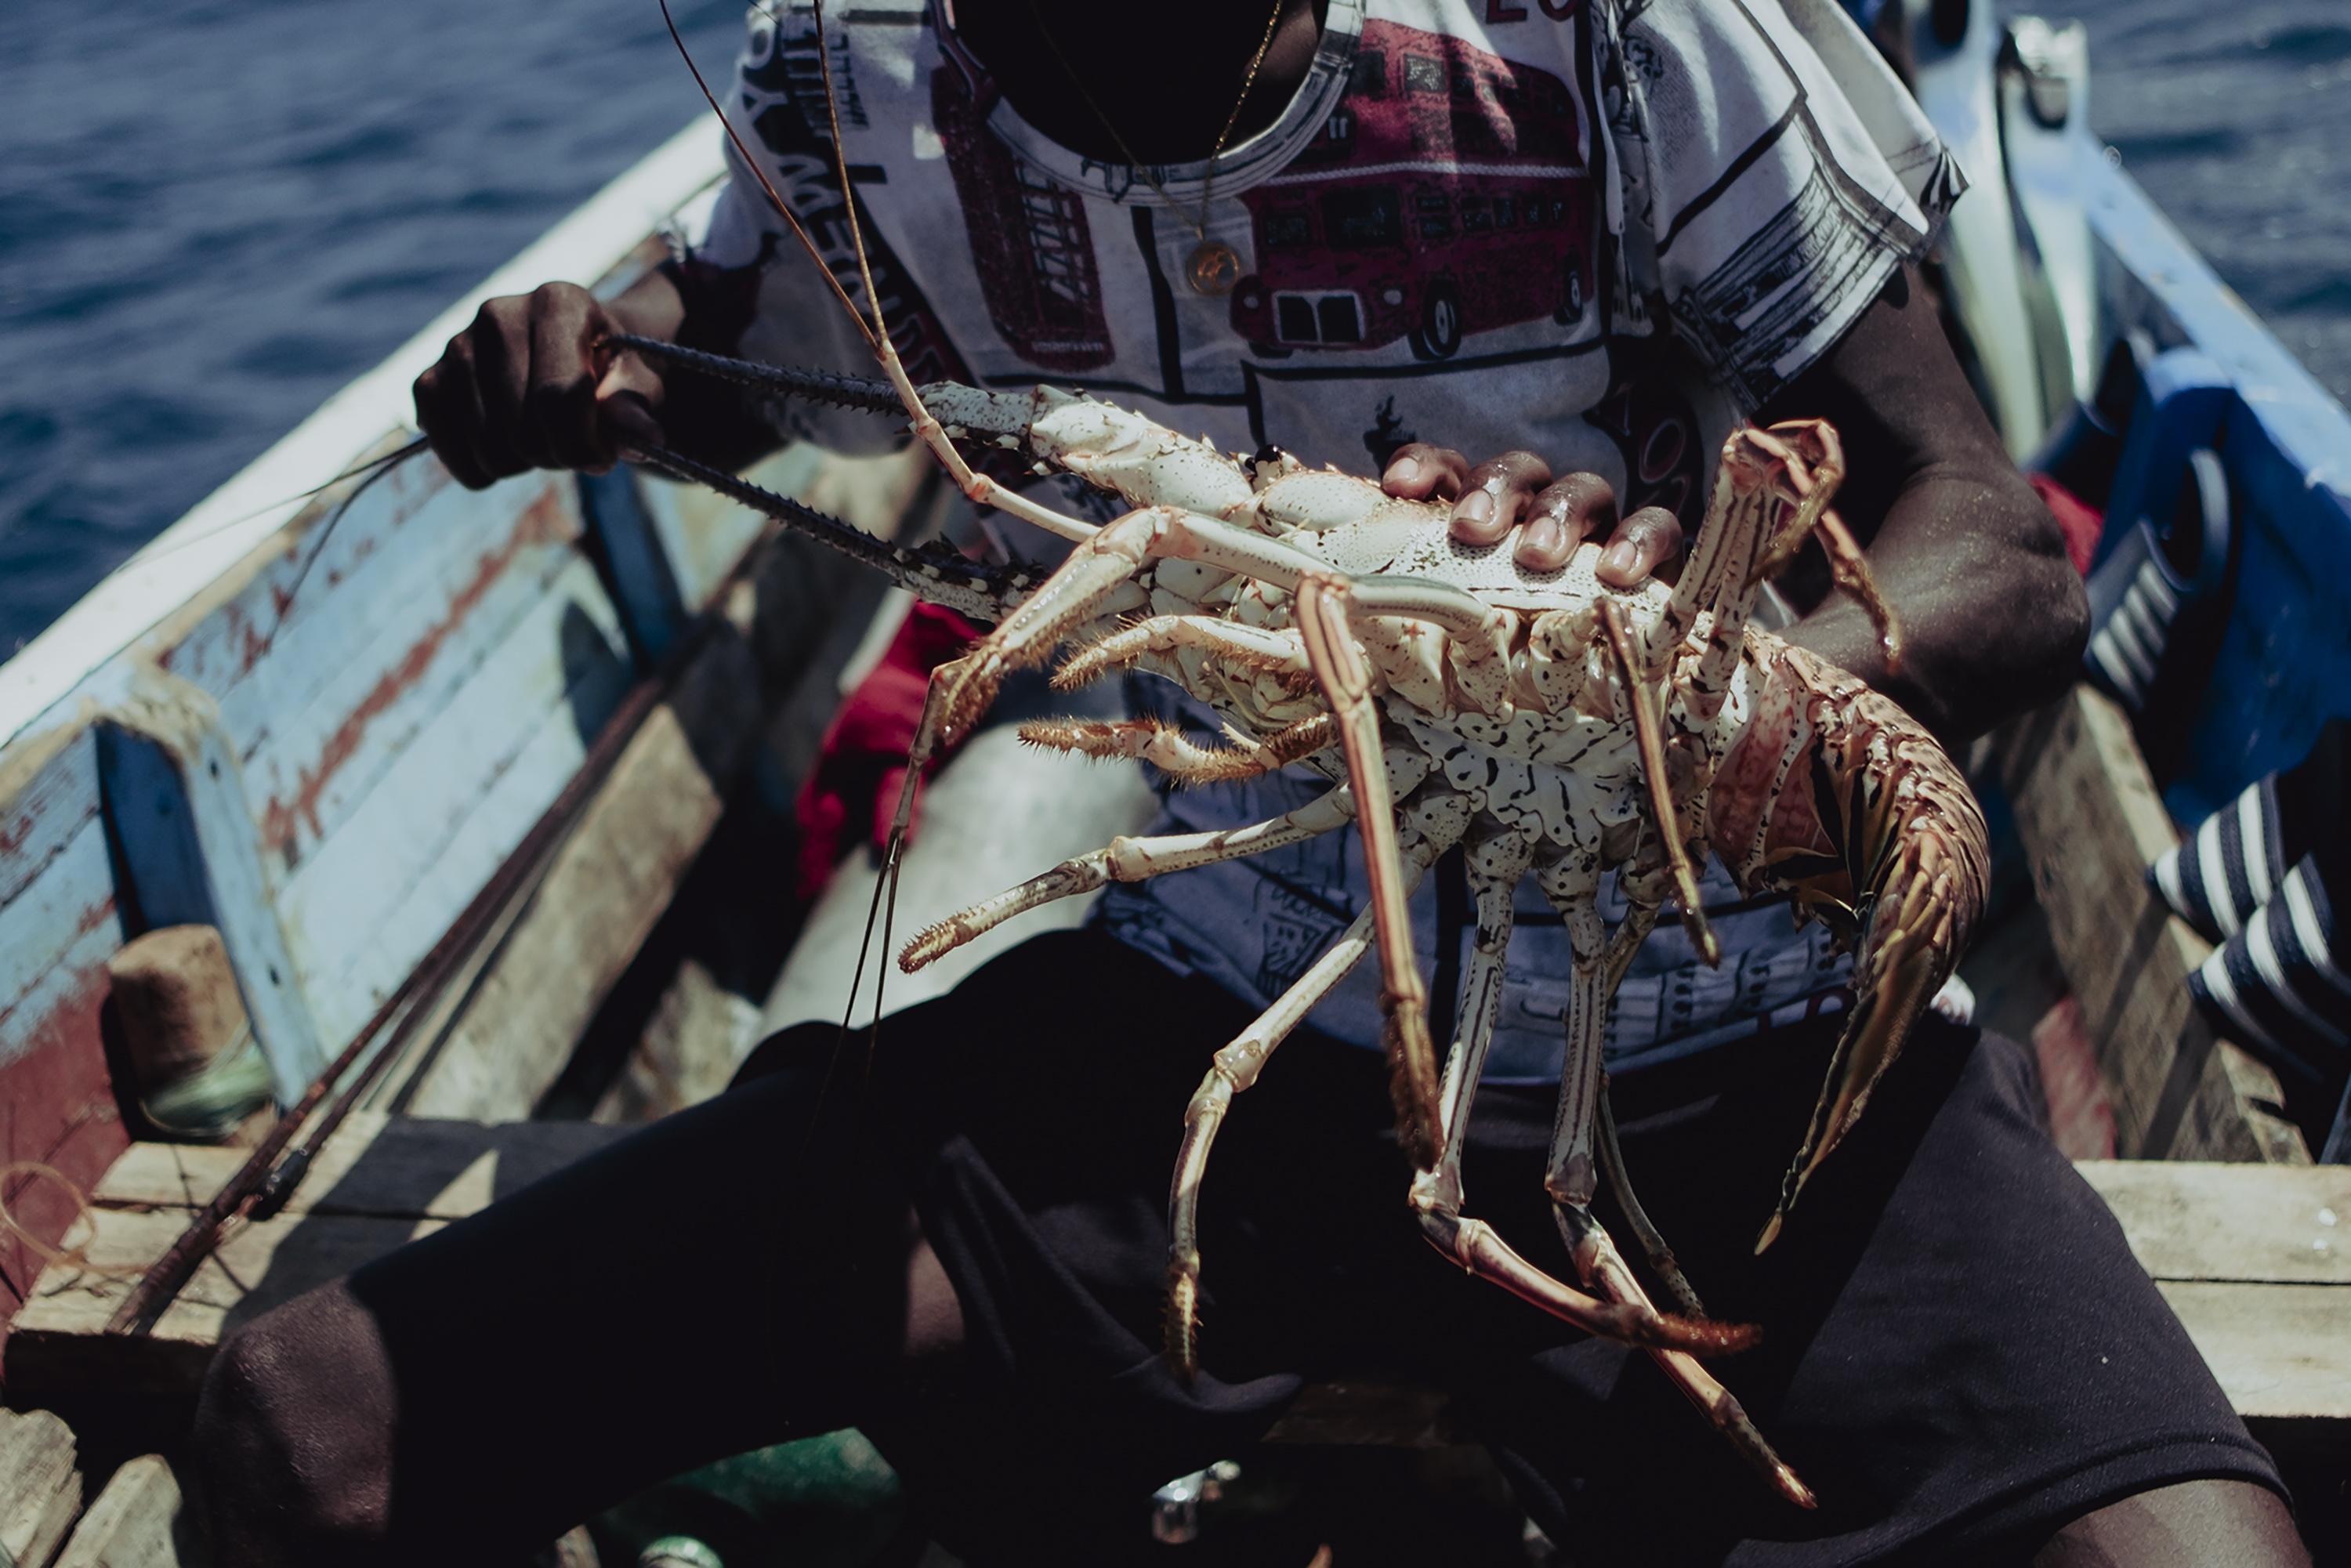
[1993, 614]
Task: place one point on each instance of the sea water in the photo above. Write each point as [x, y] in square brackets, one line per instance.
[215, 212]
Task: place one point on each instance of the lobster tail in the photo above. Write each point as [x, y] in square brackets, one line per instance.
[1887, 843]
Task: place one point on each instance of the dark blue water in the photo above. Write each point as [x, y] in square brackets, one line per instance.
[2236, 116]
[214, 212]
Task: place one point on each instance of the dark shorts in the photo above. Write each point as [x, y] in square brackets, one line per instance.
[1959, 1353]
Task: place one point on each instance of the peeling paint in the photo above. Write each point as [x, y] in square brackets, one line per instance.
[543, 522]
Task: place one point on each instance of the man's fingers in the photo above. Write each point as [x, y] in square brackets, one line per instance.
[1494, 493]
[449, 412]
[433, 418]
[500, 340]
[560, 408]
[1419, 472]
[1647, 542]
[1567, 512]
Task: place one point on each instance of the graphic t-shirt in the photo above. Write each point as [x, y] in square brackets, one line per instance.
[1602, 230]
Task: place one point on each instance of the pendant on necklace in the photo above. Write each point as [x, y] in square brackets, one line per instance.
[1214, 268]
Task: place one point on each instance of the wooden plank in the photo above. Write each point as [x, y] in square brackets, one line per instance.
[2191, 1220]
[608, 884]
[377, 1184]
[2091, 821]
[59, 1346]
[618, 870]
[266, 636]
[699, 1034]
[2281, 1352]
[395, 672]
[48, 788]
[466, 787]
[40, 1486]
[54, 936]
[136, 1522]
[375, 1164]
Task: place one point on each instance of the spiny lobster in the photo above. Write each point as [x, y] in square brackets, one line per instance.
[1548, 724]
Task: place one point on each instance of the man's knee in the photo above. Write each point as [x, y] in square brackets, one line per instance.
[294, 1436]
[2188, 1523]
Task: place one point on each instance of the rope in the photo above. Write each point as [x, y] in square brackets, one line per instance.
[74, 1257]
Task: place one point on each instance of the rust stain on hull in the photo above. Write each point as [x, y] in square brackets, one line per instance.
[282, 821]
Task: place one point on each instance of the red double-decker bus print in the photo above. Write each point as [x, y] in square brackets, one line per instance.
[1030, 243]
[1447, 194]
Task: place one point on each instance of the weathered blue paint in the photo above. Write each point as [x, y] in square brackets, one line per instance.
[467, 568]
[469, 777]
[41, 813]
[173, 799]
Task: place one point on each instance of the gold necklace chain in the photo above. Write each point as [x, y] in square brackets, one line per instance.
[1213, 267]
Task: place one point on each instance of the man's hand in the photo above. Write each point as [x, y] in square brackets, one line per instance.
[1559, 514]
[529, 386]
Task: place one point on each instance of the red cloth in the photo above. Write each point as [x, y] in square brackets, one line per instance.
[2076, 518]
[862, 764]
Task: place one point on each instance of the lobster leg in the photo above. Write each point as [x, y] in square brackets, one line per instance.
[1654, 1247]
[1495, 866]
[1583, 1116]
[1813, 462]
[1082, 588]
[1232, 644]
[1796, 467]
[1346, 682]
[1434, 823]
[1176, 754]
[1132, 859]
[1602, 1269]
[1639, 920]
[1652, 749]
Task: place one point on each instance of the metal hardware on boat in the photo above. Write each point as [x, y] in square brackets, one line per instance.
[1176, 1507]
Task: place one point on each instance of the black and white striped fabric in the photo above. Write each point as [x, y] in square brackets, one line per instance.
[2281, 984]
[2223, 873]
[2127, 647]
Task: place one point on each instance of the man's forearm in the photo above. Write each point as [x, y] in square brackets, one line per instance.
[1991, 612]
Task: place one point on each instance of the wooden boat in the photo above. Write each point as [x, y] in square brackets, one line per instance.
[436, 765]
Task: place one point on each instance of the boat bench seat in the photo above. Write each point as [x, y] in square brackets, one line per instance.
[2255, 1259]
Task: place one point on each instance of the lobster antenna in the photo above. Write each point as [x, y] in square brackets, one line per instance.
[879, 336]
[783, 209]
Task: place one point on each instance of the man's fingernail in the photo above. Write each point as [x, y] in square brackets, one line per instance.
[1405, 472]
[1622, 560]
[1477, 508]
[1544, 535]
